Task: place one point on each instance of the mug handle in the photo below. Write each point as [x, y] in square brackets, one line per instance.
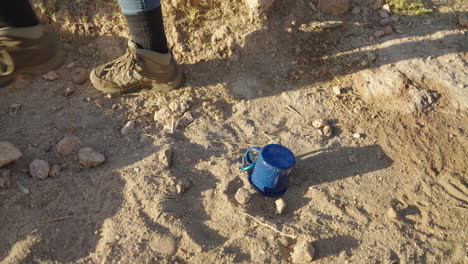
[249, 159]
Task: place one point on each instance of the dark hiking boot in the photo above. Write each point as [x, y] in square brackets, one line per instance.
[27, 50]
[137, 69]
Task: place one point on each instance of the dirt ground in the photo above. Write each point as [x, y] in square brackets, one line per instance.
[388, 186]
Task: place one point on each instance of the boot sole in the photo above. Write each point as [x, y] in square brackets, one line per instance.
[53, 63]
[161, 87]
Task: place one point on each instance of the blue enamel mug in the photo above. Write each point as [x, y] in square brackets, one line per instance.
[269, 171]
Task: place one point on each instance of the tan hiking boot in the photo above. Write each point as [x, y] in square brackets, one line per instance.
[27, 50]
[138, 69]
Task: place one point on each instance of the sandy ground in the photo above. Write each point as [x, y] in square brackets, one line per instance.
[395, 193]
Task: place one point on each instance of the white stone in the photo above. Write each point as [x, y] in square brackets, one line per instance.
[337, 90]
[280, 206]
[357, 135]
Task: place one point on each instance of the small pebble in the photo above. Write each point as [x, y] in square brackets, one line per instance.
[89, 157]
[68, 145]
[327, 131]
[371, 56]
[81, 76]
[128, 128]
[71, 65]
[379, 33]
[319, 123]
[165, 157]
[357, 135]
[386, 8]
[383, 14]
[280, 206]
[388, 30]
[8, 153]
[182, 186]
[336, 90]
[243, 196]
[54, 171]
[39, 169]
[364, 63]
[392, 213]
[50, 76]
[69, 91]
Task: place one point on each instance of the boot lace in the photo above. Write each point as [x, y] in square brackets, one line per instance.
[123, 64]
[7, 65]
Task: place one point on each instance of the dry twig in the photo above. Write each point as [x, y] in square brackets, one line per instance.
[265, 225]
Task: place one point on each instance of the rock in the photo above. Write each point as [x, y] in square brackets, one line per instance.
[379, 33]
[182, 186]
[337, 90]
[55, 171]
[219, 34]
[5, 181]
[463, 19]
[371, 56]
[128, 128]
[356, 11]
[8, 153]
[334, 7]
[392, 213]
[50, 76]
[39, 169]
[357, 135]
[179, 107]
[388, 30]
[165, 157]
[327, 131]
[259, 5]
[319, 123]
[243, 196]
[71, 65]
[89, 157]
[68, 145]
[81, 76]
[69, 91]
[280, 206]
[383, 14]
[386, 8]
[185, 120]
[386, 21]
[353, 159]
[303, 252]
[164, 244]
[162, 114]
[364, 63]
